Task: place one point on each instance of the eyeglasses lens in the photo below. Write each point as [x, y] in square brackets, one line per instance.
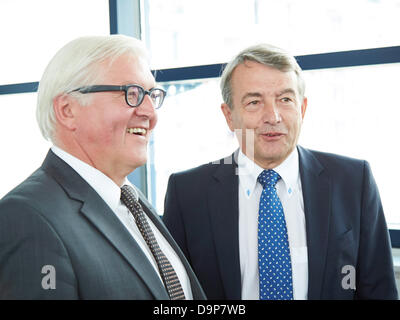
[134, 96]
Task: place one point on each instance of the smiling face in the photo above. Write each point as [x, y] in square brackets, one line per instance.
[107, 133]
[266, 103]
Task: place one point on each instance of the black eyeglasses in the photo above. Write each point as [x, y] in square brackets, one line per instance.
[134, 94]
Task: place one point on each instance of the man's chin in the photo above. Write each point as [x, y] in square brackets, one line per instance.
[139, 162]
[138, 159]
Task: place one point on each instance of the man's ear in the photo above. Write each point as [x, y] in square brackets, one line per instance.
[304, 107]
[226, 110]
[63, 106]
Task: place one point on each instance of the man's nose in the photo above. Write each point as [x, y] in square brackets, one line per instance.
[271, 113]
[146, 108]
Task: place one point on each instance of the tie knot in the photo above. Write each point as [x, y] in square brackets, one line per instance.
[127, 194]
[268, 178]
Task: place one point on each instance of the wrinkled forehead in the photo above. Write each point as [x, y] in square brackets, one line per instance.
[256, 77]
[126, 69]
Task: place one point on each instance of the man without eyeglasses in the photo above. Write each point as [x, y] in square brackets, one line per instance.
[276, 221]
[77, 228]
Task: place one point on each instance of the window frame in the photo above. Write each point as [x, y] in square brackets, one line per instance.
[122, 22]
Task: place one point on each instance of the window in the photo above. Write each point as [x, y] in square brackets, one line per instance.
[189, 32]
[23, 147]
[345, 109]
[191, 130]
[352, 110]
[32, 32]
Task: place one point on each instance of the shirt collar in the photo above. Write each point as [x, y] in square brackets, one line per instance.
[289, 171]
[103, 185]
[249, 171]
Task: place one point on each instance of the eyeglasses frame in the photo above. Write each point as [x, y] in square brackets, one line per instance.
[125, 88]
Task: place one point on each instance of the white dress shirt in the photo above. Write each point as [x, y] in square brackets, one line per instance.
[290, 193]
[111, 193]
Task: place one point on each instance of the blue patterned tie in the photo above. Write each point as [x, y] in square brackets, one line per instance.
[274, 265]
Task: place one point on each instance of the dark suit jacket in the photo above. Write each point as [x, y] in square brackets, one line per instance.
[345, 225]
[55, 218]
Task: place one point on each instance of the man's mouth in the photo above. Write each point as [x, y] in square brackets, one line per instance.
[137, 131]
[272, 134]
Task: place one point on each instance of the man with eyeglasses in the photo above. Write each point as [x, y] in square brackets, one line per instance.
[77, 228]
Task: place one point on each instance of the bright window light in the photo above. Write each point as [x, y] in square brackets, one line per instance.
[192, 32]
[351, 111]
[32, 32]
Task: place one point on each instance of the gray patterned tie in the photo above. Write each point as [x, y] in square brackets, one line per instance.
[167, 272]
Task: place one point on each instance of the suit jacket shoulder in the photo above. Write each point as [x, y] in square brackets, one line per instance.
[199, 175]
[55, 218]
[330, 161]
[345, 226]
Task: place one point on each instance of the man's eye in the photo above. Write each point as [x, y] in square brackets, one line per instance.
[132, 94]
[254, 102]
[286, 99]
[253, 105]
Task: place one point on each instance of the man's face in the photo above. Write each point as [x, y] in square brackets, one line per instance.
[266, 101]
[102, 127]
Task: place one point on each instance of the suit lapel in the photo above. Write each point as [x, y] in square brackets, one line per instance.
[109, 225]
[106, 222]
[316, 187]
[223, 202]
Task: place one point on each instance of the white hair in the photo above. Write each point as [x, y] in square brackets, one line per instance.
[76, 65]
[265, 54]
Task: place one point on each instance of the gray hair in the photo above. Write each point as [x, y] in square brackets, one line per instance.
[267, 55]
[76, 65]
